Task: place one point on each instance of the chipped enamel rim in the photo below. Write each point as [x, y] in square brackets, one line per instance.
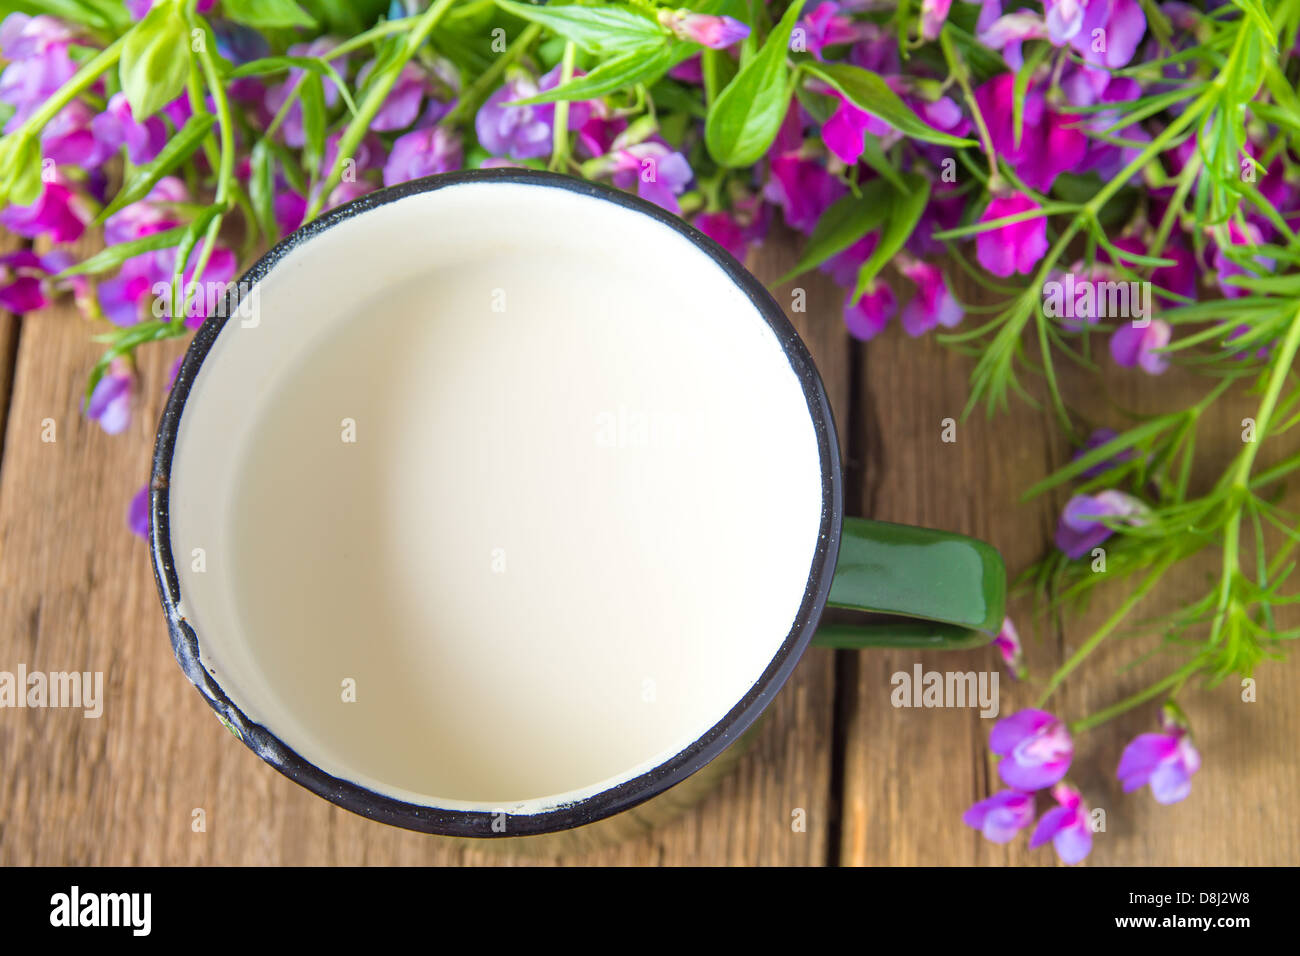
[477, 823]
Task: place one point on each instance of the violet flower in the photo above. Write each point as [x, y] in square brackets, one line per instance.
[1017, 246]
[1165, 760]
[137, 513]
[291, 128]
[422, 152]
[714, 32]
[659, 173]
[934, 13]
[110, 402]
[1035, 747]
[867, 317]
[116, 127]
[69, 138]
[402, 104]
[1083, 522]
[1066, 825]
[1096, 440]
[524, 132]
[825, 26]
[723, 229]
[933, 304]
[36, 49]
[1138, 345]
[845, 132]
[1001, 816]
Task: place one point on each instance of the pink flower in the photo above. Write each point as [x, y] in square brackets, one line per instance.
[723, 229]
[659, 173]
[1035, 747]
[803, 189]
[1049, 142]
[58, 213]
[1008, 644]
[867, 317]
[39, 63]
[715, 32]
[845, 132]
[933, 304]
[826, 26]
[1066, 826]
[1137, 345]
[1001, 816]
[933, 15]
[24, 279]
[1015, 247]
[1166, 761]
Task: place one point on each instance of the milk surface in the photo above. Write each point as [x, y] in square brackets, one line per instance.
[509, 529]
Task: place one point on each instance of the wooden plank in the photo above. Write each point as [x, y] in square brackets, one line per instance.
[910, 773]
[76, 592]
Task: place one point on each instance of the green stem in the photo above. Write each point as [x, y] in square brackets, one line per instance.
[1155, 690]
[374, 101]
[1093, 642]
[479, 89]
[560, 131]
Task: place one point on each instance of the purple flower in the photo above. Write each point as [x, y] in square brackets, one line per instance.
[933, 15]
[867, 317]
[715, 32]
[1049, 144]
[24, 282]
[826, 26]
[58, 213]
[110, 402]
[1106, 33]
[347, 191]
[845, 132]
[1096, 440]
[1083, 522]
[69, 138]
[659, 173]
[39, 63]
[422, 152]
[1008, 644]
[1225, 266]
[1066, 826]
[1166, 761]
[524, 132]
[1035, 747]
[144, 284]
[116, 127]
[803, 189]
[138, 8]
[1017, 246]
[933, 304]
[1001, 816]
[1138, 344]
[137, 514]
[723, 229]
[289, 208]
[402, 105]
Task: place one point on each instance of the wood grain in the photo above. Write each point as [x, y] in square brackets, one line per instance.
[76, 592]
[910, 773]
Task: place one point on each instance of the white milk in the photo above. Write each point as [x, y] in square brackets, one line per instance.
[523, 468]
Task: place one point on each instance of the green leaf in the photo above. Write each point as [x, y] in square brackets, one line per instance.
[115, 255]
[874, 156]
[312, 95]
[261, 188]
[868, 91]
[20, 170]
[267, 14]
[747, 114]
[905, 210]
[279, 64]
[600, 30]
[178, 149]
[638, 66]
[155, 60]
[843, 224]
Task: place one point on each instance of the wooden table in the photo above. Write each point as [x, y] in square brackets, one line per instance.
[878, 785]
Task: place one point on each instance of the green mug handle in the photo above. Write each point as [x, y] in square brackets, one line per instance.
[914, 587]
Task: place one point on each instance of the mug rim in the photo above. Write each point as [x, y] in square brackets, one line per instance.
[480, 823]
